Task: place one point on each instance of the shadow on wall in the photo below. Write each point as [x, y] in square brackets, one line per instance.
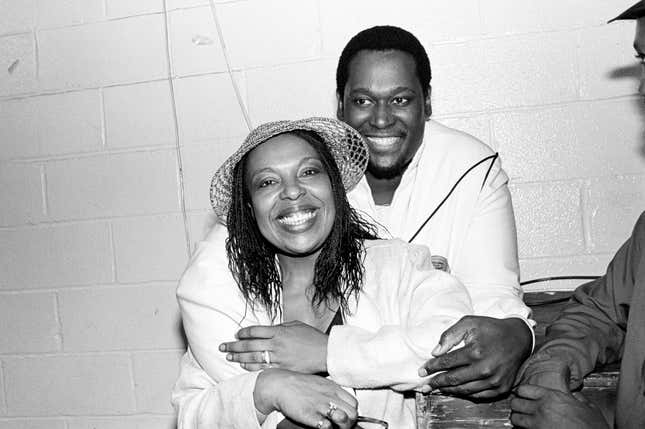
[633, 72]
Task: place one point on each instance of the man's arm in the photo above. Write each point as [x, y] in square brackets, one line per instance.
[500, 336]
[591, 330]
[427, 301]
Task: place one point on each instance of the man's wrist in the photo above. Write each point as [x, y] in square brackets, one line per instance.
[530, 331]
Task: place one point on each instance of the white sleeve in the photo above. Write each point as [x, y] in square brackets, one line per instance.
[202, 403]
[488, 263]
[212, 392]
[423, 303]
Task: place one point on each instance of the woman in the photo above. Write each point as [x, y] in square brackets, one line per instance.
[303, 261]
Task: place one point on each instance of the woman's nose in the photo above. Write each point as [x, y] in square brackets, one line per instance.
[292, 190]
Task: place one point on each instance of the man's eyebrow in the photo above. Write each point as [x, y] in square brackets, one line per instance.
[392, 90]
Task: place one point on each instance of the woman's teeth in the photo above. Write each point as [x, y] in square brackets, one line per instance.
[297, 218]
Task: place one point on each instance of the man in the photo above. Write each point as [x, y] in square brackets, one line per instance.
[436, 186]
[603, 323]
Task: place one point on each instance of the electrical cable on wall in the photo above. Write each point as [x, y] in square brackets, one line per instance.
[227, 61]
[245, 114]
[182, 193]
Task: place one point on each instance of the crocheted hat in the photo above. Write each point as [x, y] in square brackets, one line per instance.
[345, 144]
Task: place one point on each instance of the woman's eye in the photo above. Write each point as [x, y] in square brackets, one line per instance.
[266, 182]
[310, 172]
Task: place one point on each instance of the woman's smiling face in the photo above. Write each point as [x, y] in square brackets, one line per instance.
[291, 194]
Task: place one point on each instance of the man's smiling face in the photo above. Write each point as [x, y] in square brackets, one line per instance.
[383, 99]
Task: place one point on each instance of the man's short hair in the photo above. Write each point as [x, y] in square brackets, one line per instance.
[384, 38]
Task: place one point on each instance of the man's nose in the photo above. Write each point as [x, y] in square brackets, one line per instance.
[292, 189]
[382, 116]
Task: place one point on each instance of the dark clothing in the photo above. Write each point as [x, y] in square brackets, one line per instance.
[603, 323]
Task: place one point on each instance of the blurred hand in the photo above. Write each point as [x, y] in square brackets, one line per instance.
[305, 399]
[536, 407]
[546, 372]
[294, 345]
[485, 367]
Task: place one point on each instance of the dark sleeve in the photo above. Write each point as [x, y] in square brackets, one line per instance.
[591, 330]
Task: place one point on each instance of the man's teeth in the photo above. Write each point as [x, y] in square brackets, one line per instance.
[297, 218]
[383, 141]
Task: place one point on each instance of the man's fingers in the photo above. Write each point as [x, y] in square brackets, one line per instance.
[248, 357]
[580, 397]
[524, 406]
[245, 346]
[448, 361]
[455, 377]
[481, 389]
[521, 420]
[254, 366]
[256, 331]
[531, 391]
[452, 336]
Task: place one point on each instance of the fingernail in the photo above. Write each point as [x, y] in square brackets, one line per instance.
[222, 348]
[229, 357]
[422, 372]
[436, 349]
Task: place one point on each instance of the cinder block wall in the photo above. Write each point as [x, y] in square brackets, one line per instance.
[95, 228]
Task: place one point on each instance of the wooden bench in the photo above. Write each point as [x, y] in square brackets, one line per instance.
[444, 412]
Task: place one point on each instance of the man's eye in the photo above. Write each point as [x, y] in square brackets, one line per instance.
[359, 101]
[400, 101]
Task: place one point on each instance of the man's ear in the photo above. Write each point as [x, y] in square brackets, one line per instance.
[340, 108]
[427, 105]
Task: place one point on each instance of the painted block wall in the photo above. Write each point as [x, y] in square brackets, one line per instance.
[97, 219]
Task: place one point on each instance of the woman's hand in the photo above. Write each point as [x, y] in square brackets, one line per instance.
[310, 400]
[294, 345]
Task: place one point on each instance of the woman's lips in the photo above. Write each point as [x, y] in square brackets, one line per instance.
[297, 217]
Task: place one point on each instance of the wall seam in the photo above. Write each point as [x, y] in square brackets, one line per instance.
[59, 322]
[103, 119]
[3, 378]
[586, 215]
[43, 191]
[112, 245]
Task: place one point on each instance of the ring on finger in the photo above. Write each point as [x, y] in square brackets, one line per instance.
[320, 424]
[266, 357]
[332, 407]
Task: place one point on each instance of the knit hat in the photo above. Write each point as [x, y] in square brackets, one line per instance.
[346, 145]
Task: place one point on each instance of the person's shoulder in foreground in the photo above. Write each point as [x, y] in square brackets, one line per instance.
[604, 322]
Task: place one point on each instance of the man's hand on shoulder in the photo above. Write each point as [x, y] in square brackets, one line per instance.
[486, 365]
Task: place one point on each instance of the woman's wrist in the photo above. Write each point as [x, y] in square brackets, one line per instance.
[264, 392]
